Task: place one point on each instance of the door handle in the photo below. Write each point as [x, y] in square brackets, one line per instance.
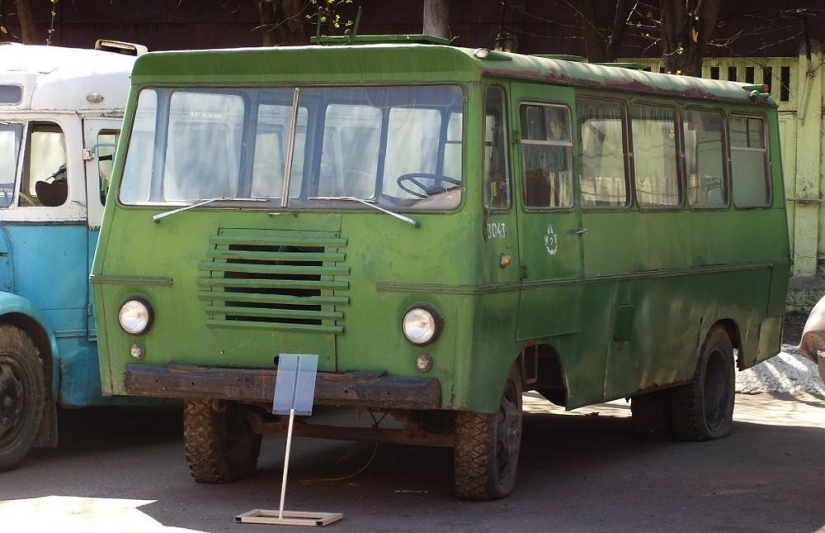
[581, 231]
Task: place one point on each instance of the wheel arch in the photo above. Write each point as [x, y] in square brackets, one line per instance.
[732, 329]
[21, 313]
[542, 370]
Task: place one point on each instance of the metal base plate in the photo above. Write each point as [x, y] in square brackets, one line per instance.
[289, 518]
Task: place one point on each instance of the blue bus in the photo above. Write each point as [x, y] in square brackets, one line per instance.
[60, 116]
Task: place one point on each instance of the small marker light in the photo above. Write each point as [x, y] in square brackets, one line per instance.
[94, 98]
[506, 260]
[424, 362]
[136, 351]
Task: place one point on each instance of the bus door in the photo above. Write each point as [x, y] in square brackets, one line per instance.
[99, 142]
[501, 268]
[550, 230]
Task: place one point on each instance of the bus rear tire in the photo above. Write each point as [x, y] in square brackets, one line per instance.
[220, 445]
[703, 408]
[22, 394]
[487, 447]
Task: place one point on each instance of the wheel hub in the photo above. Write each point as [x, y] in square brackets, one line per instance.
[509, 435]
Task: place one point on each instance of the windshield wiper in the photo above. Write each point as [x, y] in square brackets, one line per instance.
[408, 220]
[159, 216]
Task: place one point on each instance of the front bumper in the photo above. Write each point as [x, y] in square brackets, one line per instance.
[257, 385]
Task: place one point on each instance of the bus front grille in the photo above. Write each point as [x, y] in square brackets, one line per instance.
[284, 280]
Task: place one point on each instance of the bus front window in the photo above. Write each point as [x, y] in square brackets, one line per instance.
[400, 147]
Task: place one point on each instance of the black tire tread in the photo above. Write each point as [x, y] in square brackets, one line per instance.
[687, 412]
[473, 433]
[475, 454]
[15, 340]
[206, 450]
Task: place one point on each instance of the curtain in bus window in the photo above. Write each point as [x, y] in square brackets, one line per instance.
[547, 156]
[496, 174]
[349, 158]
[137, 171]
[601, 129]
[705, 159]
[372, 142]
[655, 156]
[412, 146]
[749, 162]
[10, 138]
[271, 142]
[203, 146]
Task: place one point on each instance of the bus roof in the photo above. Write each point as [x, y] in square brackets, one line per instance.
[411, 63]
[41, 78]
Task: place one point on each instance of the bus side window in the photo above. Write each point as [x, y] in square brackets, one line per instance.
[749, 162]
[705, 159]
[546, 156]
[10, 137]
[44, 175]
[601, 131]
[655, 159]
[496, 175]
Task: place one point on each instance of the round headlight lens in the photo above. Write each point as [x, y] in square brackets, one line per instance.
[420, 325]
[134, 317]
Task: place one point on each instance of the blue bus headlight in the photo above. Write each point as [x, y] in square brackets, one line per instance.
[420, 325]
[135, 317]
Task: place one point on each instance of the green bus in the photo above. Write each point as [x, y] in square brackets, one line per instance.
[446, 229]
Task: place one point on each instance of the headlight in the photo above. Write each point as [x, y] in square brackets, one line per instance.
[420, 326]
[134, 317]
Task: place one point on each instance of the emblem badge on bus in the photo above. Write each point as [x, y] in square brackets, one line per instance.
[551, 240]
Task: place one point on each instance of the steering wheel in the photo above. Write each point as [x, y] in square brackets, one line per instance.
[423, 190]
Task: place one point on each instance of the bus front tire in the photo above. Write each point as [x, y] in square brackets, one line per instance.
[220, 445]
[487, 447]
[22, 393]
[703, 408]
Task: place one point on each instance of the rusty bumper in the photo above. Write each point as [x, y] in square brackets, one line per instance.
[257, 385]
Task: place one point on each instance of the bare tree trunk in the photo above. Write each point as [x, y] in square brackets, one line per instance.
[437, 18]
[280, 22]
[594, 41]
[686, 29]
[27, 27]
[601, 49]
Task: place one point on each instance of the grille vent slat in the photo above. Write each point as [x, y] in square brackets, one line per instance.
[285, 280]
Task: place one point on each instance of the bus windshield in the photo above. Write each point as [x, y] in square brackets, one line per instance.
[399, 147]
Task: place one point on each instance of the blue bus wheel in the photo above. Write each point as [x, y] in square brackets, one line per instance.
[22, 393]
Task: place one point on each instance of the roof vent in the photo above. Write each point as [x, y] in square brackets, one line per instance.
[120, 47]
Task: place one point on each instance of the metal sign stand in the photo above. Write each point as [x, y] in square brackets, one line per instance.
[294, 393]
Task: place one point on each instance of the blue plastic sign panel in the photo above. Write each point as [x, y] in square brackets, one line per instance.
[295, 384]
